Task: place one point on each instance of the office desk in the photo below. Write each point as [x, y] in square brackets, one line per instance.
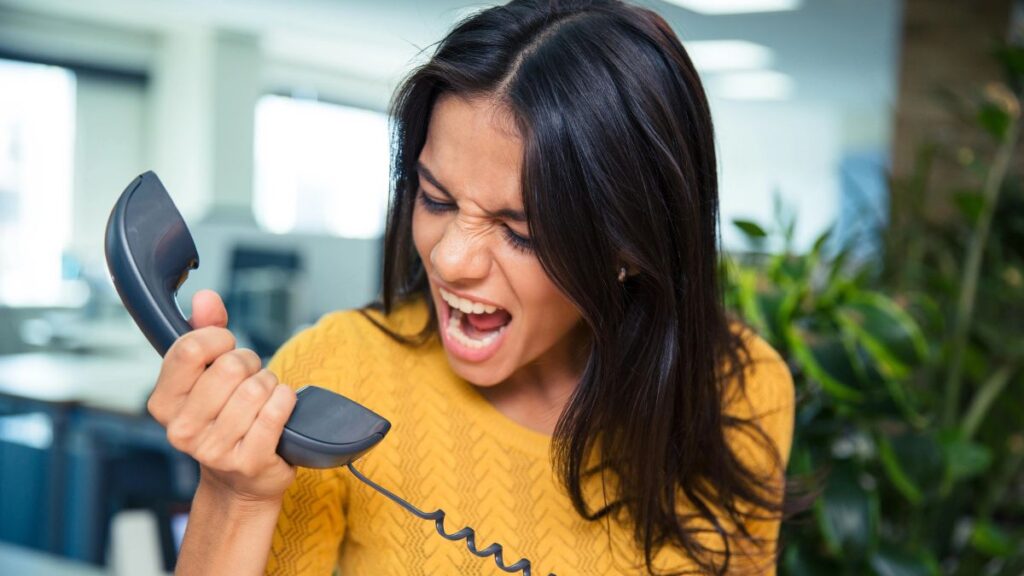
[95, 406]
[116, 383]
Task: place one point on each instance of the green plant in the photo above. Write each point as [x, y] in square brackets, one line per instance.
[909, 370]
[852, 350]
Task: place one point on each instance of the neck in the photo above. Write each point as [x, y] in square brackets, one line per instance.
[536, 394]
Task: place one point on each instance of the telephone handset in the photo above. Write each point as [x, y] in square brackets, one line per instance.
[150, 253]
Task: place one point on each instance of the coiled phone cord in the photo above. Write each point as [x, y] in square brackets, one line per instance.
[437, 516]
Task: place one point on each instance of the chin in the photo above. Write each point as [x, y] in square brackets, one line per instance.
[477, 375]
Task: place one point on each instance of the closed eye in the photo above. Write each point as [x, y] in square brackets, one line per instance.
[521, 243]
[434, 206]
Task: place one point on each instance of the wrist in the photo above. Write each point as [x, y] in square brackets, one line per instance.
[213, 495]
[228, 533]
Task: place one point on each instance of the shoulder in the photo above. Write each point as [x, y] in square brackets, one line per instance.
[765, 395]
[767, 379]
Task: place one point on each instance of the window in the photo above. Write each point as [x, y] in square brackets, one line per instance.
[320, 168]
[37, 130]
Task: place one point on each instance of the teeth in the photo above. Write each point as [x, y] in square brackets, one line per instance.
[455, 331]
[464, 305]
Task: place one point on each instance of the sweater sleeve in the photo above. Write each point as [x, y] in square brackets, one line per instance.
[311, 525]
[768, 402]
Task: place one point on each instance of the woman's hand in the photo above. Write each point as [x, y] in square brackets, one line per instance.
[221, 408]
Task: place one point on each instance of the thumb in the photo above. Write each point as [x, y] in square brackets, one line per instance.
[208, 310]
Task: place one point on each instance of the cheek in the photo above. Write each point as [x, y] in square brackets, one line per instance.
[552, 310]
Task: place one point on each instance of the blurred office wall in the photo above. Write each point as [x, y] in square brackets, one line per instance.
[171, 86]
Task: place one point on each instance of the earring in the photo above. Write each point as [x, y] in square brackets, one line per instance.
[622, 274]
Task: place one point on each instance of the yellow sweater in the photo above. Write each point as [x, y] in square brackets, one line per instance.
[449, 448]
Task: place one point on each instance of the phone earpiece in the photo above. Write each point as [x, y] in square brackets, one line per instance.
[150, 253]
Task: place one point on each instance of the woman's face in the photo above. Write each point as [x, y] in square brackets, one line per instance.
[498, 312]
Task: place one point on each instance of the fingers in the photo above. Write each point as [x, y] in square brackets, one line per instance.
[236, 417]
[183, 364]
[208, 310]
[219, 407]
[209, 395]
[263, 436]
[239, 445]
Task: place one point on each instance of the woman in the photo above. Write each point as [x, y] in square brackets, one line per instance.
[550, 347]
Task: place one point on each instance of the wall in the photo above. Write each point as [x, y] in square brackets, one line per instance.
[192, 123]
[110, 149]
[794, 152]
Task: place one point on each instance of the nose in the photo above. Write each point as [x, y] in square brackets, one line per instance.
[462, 253]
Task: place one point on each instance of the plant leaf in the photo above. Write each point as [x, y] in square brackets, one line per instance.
[797, 339]
[990, 539]
[1012, 58]
[970, 203]
[888, 333]
[889, 561]
[994, 120]
[752, 230]
[800, 562]
[919, 457]
[899, 478]
[965, 459]
[847, 514]
[749, 304]
[819, 243]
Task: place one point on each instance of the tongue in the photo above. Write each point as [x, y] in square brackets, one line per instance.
[488, 322]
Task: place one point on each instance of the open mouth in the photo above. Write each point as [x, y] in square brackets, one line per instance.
[474, 325]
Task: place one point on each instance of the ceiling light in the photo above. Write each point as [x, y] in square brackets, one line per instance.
[715, 7]
[722, 55]
[755, 85]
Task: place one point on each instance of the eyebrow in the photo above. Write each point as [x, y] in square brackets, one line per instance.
[504, 213]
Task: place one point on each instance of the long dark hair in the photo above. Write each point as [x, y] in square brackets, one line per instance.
[619, 170]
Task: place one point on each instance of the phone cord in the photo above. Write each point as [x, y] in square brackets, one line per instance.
[438, 517]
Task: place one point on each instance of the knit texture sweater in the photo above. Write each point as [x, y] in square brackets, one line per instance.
[450, 448]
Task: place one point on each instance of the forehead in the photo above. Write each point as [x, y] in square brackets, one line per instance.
[474, 150]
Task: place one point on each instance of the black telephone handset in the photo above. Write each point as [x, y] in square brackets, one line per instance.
[149, 253]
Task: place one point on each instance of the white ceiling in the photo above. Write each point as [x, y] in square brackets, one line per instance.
[837, 51]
